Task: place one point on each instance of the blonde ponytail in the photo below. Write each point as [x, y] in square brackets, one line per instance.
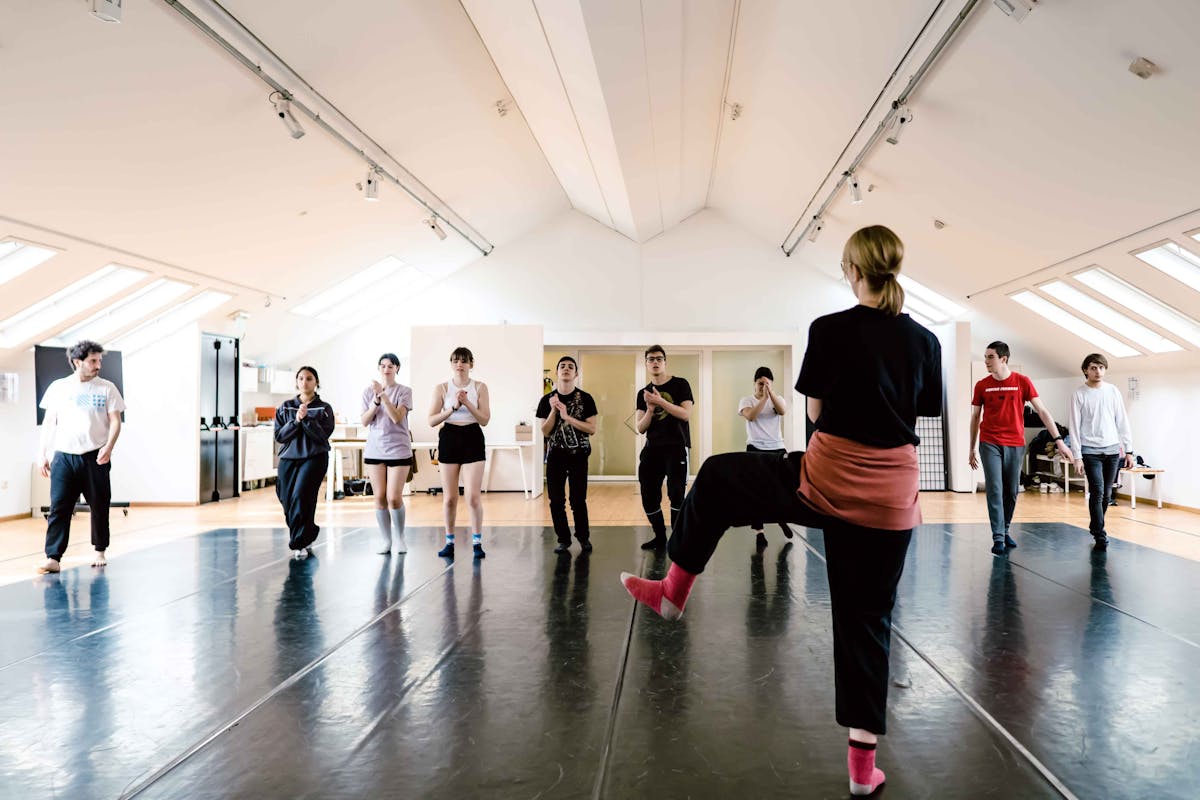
[877, 253]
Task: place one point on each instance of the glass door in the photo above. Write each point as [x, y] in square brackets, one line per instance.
[610, 377]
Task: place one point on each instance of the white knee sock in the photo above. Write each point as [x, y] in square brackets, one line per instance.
[398, 528]
[385, 529]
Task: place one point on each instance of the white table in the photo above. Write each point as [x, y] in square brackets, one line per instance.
[1134, 473]
[519, 448]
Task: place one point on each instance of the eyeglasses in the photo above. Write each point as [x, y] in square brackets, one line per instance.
[656, 359]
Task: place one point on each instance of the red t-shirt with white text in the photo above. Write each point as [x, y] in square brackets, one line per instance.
[1003, 404]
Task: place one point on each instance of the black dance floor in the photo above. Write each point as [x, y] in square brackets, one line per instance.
[214, 667]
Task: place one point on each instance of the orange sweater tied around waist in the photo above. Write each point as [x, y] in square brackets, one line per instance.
[867, 486]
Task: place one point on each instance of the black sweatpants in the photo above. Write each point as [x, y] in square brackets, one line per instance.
[757, 524]
[655, 464]
[298, 487]
[864, 566]
[563, 466]
[70, 476]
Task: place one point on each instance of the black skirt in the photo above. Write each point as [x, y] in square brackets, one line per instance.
[461, 444]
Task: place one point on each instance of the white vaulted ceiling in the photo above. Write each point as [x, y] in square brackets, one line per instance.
[145, 144]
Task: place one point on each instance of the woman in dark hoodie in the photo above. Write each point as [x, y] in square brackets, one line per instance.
[303, 425]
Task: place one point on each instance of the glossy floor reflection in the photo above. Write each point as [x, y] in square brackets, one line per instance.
[215, 667]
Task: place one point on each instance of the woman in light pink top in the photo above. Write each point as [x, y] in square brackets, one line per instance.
[388, 454]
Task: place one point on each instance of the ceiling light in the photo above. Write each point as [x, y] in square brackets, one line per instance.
[1142, 304]
[855, 192]
[1144, 68]
[814, 228]
[1171, 259]
[283, 109]
[17, 258]
[366, 281]
[1089, 333]
[1110, 317]
[899, 122]
[164, 325]
[407, 282]
[67, 302]
[370, 186]
[126, 312]
[435, 226]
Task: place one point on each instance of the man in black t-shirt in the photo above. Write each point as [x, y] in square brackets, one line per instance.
[663, 410]
[568, 417]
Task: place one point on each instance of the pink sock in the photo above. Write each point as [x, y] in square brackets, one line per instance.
[865, 777]
[674, 590]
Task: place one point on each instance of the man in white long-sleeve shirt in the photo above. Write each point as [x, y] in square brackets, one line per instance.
[1101, 439]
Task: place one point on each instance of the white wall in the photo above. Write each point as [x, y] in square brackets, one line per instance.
[1164, 430]
[20, 437]
[157, 459]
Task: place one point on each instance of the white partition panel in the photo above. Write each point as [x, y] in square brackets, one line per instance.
[508, 358]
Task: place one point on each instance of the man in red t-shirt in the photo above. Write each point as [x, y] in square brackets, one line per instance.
[1000, 399]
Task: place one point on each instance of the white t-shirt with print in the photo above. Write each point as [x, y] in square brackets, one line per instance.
[81, 409]
[766, 430]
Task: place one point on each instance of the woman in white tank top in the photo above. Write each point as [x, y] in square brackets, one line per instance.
[461, 407]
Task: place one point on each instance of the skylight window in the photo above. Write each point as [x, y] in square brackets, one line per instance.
[1142, 304]
[1110, 317]
[362, 287]
[126, 312]
[66, 303]
[1085, 331]
[406, 283]
[927, 302]
[17, 258]
[170, 322]
[1181, 264]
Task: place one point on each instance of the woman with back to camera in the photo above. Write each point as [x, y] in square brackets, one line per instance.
[303, 425]
[868, 373]
[388, 454]
[462, 405]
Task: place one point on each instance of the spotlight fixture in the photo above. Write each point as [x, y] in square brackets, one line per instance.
[283, 109]
[903, 117]
[370, 186]
[107, 10]
[855, 191]
[814, 228]
[1017, 9]
[434, 226]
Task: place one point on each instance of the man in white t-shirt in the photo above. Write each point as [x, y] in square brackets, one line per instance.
[763, 412]
[1101, 440]
[82, 423]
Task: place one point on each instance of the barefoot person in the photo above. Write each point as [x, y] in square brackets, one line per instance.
[868, 373]
[763, 412]
[81, 426]
[462, 405]
[303, 426]
[388, 453]
[568, 417]
[664, 407]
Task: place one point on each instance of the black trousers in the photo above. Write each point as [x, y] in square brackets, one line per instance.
[655, 464]
[298, 487]
[864, 566]
[1101, 471]
[70, 476]
[757, 524]
[562, 467]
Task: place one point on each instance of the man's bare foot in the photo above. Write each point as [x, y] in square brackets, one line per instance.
[100, 560]
[50, 566]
